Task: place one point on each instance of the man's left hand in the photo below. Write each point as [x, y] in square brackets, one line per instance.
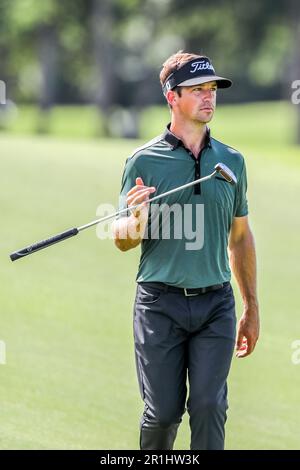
[248, 332]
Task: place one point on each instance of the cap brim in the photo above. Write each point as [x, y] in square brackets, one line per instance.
[221, 81]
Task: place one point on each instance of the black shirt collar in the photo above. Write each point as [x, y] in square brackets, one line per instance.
[175, 142]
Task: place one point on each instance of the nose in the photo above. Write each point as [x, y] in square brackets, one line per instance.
[208, 97]
[208, 93]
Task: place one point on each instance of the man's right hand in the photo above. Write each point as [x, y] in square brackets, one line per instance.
[138, 195]
[129, 231]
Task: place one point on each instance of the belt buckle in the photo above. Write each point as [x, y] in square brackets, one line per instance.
[186, 293]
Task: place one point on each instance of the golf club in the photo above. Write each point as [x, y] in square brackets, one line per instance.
[220, 168]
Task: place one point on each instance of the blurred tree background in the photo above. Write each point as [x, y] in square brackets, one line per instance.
[108, 53]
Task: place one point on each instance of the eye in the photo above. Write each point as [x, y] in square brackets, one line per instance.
[214, 89]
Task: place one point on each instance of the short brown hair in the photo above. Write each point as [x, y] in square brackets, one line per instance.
[174, 62]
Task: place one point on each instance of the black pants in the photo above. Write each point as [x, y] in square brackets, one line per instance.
[176, 338]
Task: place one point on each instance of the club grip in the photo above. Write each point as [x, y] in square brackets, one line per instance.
[43, 244]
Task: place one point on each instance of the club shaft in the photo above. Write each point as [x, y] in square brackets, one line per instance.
[74, 231]
[155, 198]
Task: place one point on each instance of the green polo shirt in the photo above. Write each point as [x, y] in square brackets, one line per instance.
[186, 239]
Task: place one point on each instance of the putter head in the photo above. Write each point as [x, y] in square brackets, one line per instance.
[226, 173]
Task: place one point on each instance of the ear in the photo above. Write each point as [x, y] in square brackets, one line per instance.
[171, 97]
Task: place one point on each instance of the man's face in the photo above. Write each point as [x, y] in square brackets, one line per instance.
[196, 103]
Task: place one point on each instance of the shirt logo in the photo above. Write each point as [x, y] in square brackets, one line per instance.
[201, 65]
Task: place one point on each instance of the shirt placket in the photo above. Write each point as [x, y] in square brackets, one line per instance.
[197, 162]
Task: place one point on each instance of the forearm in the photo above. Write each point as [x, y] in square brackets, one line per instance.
[242, 257]
[128, 232]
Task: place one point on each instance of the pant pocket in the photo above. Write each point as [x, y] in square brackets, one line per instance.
[147, 295]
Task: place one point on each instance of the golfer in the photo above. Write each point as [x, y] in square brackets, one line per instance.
[184, 310]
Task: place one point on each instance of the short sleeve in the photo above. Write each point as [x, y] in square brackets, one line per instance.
[128, 181]
[241, 205]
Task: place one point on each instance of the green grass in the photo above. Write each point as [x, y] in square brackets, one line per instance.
[66, 312]
[61, 121]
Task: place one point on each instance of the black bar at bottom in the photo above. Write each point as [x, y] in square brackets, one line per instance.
[141, 459]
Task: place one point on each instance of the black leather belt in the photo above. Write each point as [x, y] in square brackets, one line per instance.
[181, 290]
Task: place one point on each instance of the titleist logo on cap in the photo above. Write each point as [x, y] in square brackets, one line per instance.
[194, 72]
[201, 65]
